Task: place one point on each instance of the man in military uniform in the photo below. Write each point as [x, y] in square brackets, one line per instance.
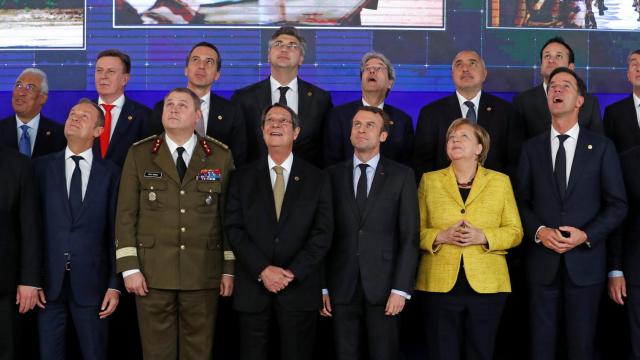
[169, 239]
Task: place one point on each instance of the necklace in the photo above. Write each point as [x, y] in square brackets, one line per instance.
[467, 184]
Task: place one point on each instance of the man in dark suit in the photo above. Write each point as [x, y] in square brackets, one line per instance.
[125, 119]
[531, 105]
[78, 200]
[624, 250]
[376, 79]
[621, 119]
[20, 240]
[370, 269]
[279, 223]
[571, 196]
[28, 131]
[202, 70]
[494, 114]
[312, 104]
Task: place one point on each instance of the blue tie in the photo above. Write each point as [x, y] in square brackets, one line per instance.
[75, 189]
[471, 113]
[24, 145]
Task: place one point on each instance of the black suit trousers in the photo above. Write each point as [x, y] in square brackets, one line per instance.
[633, 311]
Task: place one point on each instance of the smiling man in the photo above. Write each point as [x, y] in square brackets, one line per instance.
[28, 131]
[571, 196]
[377, 76]
[497, 116]
[287, 49]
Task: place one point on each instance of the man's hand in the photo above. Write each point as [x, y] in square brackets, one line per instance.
[226, 285]
[136, 284]
[27, 298]
[576, 236]
[109, 303]
[617, 287]
[395, 304]
[275, 278]
[553, 240]
[326, 306]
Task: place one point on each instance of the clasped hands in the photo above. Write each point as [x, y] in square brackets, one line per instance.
[275, 278]
[462, 233]
[554, 240]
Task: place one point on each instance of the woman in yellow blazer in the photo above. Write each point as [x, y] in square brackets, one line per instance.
[468, 221]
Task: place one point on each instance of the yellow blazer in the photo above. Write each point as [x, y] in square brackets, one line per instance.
[491, 207]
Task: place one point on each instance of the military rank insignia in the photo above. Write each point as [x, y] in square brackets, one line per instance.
[209, 175]
[205, 147]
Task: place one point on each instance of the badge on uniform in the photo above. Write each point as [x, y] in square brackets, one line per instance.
[208, 200]
[153, 174]
[152, 196]
[209, 175]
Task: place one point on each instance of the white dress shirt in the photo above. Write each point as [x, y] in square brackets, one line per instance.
[569, 147]
[464, 108]
[188, 146]
[365, 103]
[85, 167]
[205, 106]
[286, 165]
[636, 102]
[115, 112]
[291, 95]
[32, 131]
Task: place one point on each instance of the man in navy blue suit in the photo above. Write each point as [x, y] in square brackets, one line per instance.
[571, 196]
[125, 119]
[79, 192]
[376, 79]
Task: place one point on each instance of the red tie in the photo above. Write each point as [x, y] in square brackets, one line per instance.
[106, 133]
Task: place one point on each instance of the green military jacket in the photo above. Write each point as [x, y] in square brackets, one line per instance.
[172, 230]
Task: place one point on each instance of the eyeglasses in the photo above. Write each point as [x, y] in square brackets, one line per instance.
[375, 68]
[32, 88]
[281, 45]
[279, 122]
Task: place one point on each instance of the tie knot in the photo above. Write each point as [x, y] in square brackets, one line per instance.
[562, 138]
[283, 90]
[107, 107]
[180, 150]
[469, 104]
[76, 159]
[363, 167]
[25, 128]
[278, 169]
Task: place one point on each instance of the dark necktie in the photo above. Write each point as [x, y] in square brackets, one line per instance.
[283, 95]
[560, 167]
[180, 164]
[471, 113]
[361, 189]
[24, 145]
[75, 188]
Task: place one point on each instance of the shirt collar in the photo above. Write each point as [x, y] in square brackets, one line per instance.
[475, 100]
[188, 146]
[293, 85]
[119, 103]
[205, 99]
[373, 162]
[573, 132]
[365, 103]
[87, 155]
[33, 123]
[286, 164]
[636, 101]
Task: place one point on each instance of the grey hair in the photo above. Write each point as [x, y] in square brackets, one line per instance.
[44, 87]
[380, 56]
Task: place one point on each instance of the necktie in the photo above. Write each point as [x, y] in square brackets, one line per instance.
[278, 189]
[106, 133]
[361, 189]
[471, 113]
[75, 188]
[560, 167]
[24, 145]
[283, 95]
[200, 123]
[180, 164]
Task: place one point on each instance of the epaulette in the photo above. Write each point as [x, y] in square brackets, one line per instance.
[144, 140]
[218, 142]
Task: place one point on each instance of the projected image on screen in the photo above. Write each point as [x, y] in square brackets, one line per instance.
[396, 14]
[50, 24]
[565, 14]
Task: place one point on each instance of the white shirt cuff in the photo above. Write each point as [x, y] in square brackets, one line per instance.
[129, 272]
[325, 291]
[615, 273]
[401, 293]
[536, 238]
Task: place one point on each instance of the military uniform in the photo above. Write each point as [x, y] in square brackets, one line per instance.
[171, 231]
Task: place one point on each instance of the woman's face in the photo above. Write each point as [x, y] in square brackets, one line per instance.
[462, 144]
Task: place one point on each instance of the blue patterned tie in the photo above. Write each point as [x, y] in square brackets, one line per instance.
[471, 113]
[24, 145]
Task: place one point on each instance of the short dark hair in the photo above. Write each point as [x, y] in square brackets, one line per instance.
[634, 52]
[386, 120]
[291, 31]
[126, 60]
[210, 46]
[100, 119]
[295, 120]
[582, 87]
[559, 40]
[184, 90]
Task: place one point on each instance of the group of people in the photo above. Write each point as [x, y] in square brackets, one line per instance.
[296, 208]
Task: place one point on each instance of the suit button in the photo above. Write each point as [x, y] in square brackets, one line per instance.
[183, 229]
[462, 211]
[182, 192]
[360, 232]
[182, 211]
[182, 247]
[357, 254]
[277, 240]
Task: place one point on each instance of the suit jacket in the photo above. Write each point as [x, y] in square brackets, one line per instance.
[222, 124]
[594, 202]
[621, 124]
[490, 206]
[314, 105]
[494, 114]
[337, 143]
[624, 247]
[131, 127]
[298, 241]
[379, 246]
[89, 238]
[50, 137]
[20, 235]
[533, 112]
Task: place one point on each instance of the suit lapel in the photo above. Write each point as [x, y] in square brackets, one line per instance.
[123, 123]
[9, 132]
[547, 166]
[304, 102]
[580, 159]
[379, 178]
[484, 115]
[165, 162]
[453, 110]
[292, 192]
[57, 171]
[43, 137]
[264, 97]
[451, 185]
[265, 190]
[194, 164]
[541, 103]
[95, 175]
[481, 180]
[348, 188]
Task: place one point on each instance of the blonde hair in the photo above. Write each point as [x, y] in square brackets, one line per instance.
[482, 136]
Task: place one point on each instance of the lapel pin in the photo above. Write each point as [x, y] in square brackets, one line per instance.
[589, 146]
[296, 178]
[152, 196]
[309, 93]
[488, 108]
[48, 133]
[219, 117]
[129, 117]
